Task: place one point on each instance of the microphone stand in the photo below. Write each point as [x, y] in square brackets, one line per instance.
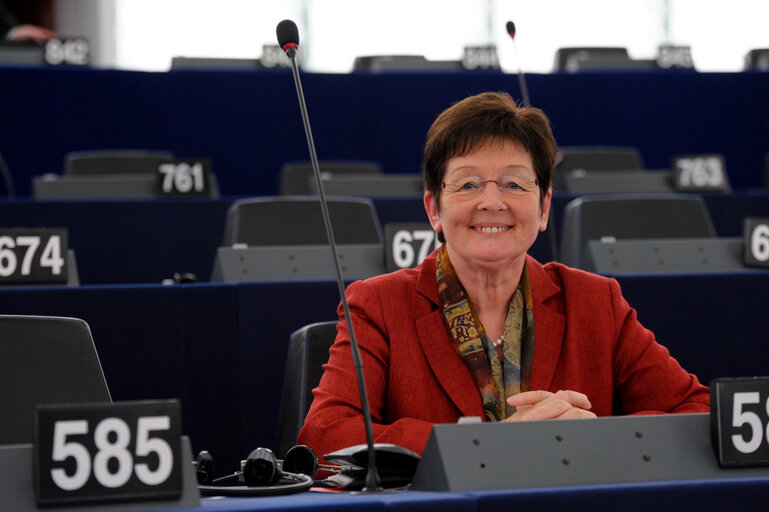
[521, 78]
[373, 484]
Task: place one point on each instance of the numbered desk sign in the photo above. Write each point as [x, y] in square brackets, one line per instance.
[93, 453]
[674, 56]
[480, 57]
[408, 243]
[273, 56]
[739, 421]
[185, 177]
[33, 255]
[74, 51]
[700, 172]
[756, 242]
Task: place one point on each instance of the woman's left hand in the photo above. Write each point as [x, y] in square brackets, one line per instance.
[544, 405]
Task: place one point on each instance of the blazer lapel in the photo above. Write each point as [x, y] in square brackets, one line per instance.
[448, 367]
[549, 326]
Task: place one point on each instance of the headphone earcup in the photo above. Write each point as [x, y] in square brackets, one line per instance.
[260, 468]
[301, 459]
[204, 468]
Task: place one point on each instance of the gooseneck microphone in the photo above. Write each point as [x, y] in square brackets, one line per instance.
[521, 79]
[288, 39]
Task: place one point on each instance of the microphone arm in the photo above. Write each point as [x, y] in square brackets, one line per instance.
[372, 476]
[521, 79]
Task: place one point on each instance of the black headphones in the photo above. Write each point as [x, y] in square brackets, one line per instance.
[261, 474]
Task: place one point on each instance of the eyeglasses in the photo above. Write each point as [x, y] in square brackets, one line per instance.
[473, 186]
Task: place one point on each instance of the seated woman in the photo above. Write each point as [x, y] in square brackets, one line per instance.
[480, 328]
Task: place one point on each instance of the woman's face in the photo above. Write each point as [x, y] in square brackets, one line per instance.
[486, 226]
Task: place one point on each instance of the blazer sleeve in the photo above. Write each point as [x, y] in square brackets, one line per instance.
[335, 418]
[648, 380]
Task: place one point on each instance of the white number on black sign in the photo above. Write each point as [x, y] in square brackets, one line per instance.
[74, 51]
[107, 452]
[404, 245]
[480, 57]
[670, 56]
[756, 241]
[739, 418]
[182, 178]
[759, 242]
[111, 437]
[25, 248]
[700, 172]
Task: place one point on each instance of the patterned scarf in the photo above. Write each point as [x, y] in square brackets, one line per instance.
[506, 367]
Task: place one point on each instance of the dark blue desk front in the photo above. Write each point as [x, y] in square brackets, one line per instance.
[221, 348]
[713, 495]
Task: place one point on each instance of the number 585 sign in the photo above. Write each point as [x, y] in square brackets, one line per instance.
[108, 452]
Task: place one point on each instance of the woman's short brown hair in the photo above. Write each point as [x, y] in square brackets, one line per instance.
[488, 117]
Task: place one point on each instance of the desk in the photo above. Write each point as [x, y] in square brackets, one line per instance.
[221, 348]
[147, 241]
[248, 125]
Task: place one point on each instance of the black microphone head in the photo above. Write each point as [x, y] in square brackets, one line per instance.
[204, 468]
[261, 468]
[288, 35]
[511, 29]
[301, 459]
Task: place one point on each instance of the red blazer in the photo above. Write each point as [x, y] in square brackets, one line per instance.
[587, 339]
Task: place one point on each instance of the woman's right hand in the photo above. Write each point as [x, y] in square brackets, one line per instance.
[544, 405]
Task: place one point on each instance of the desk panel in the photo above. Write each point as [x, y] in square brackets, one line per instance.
[148, 241]
[244, 121]
[130, 241]
[221, 348]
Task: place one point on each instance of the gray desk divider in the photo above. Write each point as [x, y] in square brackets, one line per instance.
[296, 263]
[18, 493]
[371, 185]
[665, 255]
[486, 456]
[117, 186]
[609, 182]
[105, 186]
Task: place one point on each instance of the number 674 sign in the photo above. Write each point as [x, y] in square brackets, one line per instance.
[408, 243]
[33, 255]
